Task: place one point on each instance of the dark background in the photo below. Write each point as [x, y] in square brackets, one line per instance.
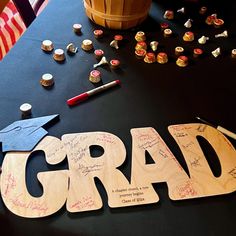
[150, 95]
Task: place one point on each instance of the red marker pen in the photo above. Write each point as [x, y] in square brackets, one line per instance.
[83, 96]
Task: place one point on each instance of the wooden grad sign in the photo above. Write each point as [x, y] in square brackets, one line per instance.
[76, 186]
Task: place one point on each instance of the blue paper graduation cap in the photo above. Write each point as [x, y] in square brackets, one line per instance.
[23, 135]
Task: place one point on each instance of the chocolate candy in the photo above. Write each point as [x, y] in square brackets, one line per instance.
[150, 57]
[162, 58]
[47, 80]
[188, 23]
[188, 36]
[140, 36]
[203, 39]
[95, 76]
[103, 61]
[59, 55]
[181, 10]
[47, 45]
[87, 45]
[216, 52]
[182, 61]
[98, 33]
[140, 53]
[169, 15]
[141, 45]
[179, 51]
[77, 28]
[223, 34]
[114, 44]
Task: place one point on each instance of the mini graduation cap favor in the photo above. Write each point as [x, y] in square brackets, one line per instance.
[23, 135]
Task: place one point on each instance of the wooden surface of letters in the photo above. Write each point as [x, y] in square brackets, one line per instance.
[76, 187]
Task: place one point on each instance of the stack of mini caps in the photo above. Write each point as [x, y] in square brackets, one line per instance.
[114, 63]
[25, 109]
[150, 57]
[141, 45]
[197, 52]
[233, 53]
[169, 15]
[167, 32]
[179, 51]
[140, 36]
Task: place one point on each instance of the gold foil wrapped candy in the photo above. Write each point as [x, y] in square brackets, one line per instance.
[140, 53]
[150, 57]
[188, 36]
[141, 45]
[47, 45]
[47, 80]
[87, 45]
[182, 61]
[162, 58]
[59, 55]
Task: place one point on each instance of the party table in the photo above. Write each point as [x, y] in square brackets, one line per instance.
[150, 96]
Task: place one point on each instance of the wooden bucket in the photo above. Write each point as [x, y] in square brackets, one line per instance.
[117, 14]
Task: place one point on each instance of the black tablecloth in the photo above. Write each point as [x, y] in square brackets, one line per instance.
[150, 95]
